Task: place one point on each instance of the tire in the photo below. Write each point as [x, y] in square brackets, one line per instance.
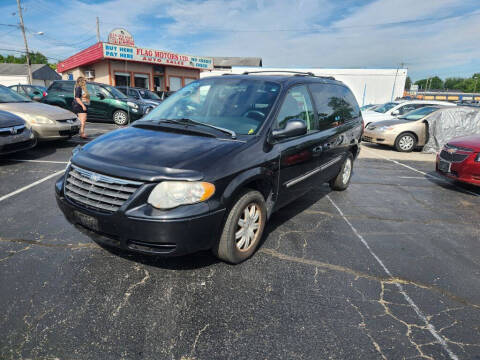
[232, 246]
[405, 142]
[120, 117]
[342, 180]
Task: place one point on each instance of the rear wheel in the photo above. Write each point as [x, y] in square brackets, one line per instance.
[405, 142]
[243, 228]
[120, 117]
[342, 180]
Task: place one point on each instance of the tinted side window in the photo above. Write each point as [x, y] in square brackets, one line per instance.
[335, 104]
[123, 90]
[133, 93]
[62, 87]
[297, 105]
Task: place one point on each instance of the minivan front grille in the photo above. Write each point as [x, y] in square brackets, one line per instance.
[97, 191]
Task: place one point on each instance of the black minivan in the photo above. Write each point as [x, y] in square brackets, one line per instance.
[207, 167]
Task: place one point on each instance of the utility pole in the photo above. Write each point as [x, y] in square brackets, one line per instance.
[395, 81]
[98, 29]
[22, 26]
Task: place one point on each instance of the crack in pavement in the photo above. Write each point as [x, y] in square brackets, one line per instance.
[130, 289]
[359, 274]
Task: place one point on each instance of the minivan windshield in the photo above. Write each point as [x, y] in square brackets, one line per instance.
[9, 96]
[240, 105]
[418, 113]
[385, 107]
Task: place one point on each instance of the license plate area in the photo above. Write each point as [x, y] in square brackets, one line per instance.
[444, 166]
[86, 220]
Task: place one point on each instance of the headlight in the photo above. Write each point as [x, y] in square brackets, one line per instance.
[41, 120]
[385, 128]
[170, 194]
[131, 104]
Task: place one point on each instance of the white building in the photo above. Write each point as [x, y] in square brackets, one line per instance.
[14, 74]
[370, 86]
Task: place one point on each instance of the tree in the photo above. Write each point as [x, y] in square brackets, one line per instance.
[408, 83]
[433, 83]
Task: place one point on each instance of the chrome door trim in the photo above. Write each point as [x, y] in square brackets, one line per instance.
[313, 172]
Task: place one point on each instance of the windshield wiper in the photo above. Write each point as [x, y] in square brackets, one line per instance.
[187, 121]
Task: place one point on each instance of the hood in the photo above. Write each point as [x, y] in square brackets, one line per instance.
[375, 116]
[8, 119]
[27, 110]
[151, 102]
[153, 155]
[392, 122]
[471, 142]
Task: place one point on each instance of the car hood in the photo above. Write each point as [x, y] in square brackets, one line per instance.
[8, 119]
[153, 155]
[471, 141]
[375, 116]
[27, 110]
[152, 102]
[392, 122]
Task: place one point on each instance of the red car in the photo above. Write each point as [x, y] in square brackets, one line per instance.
[460, 159]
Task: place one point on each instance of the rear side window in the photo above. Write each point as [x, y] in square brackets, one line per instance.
[297, 105]
[335, 104]
[62, 87]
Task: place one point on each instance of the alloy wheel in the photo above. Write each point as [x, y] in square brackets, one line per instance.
[406, 142]
[347, 170]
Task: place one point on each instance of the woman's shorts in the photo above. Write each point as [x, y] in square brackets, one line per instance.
[79, 110]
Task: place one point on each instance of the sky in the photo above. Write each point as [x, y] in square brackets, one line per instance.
[437, 37]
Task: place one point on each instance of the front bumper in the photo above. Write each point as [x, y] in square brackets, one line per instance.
[20, 142]
[59, 130]
[467, 171]
[133, 228]
[379, 137]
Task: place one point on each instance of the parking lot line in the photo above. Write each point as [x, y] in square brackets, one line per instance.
[39, 161]
[418, 171]
[407, 298]
[5, 197]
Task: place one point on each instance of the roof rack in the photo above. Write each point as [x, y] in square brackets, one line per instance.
[297, 73]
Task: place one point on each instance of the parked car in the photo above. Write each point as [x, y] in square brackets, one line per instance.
[14, 134]
[460, 160]
[146, 96]
[106, 102]
[34, 92]
[391, 110]
[405, 134]
[369, 107]
[206, 168]
[47, 122]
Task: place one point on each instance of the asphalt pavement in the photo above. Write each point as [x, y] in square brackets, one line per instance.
[389, 269]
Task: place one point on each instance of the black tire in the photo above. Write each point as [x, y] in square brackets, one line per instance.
[342, 180]
[405, 142]
[229, 249]
[120, 117]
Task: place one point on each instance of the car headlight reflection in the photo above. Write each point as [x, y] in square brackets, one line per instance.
[385, 128]
[170, 194]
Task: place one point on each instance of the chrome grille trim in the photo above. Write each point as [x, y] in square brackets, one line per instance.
[97, 191]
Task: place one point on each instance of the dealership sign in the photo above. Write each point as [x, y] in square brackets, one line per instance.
[151, 56]
[120, 37]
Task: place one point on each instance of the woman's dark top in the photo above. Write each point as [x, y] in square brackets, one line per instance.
[76, 107]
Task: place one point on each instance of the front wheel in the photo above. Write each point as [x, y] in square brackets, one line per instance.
[342, 180]
[405, 142]
[120, 117]
[243, 228]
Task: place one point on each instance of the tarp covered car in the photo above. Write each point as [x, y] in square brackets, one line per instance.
[448, 123]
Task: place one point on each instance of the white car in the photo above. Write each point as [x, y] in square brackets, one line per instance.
[390, 110]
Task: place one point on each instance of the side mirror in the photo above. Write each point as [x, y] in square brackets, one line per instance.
[100, 96]
[395, 113]
[294, 127]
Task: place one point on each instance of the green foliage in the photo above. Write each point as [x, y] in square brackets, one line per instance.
[433, 83]
[467, 85]
[408, 83]
[35, 58]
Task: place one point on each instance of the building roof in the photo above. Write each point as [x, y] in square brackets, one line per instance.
[236, 61]
[39, 71]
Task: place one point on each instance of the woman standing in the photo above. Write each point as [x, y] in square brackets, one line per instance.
[80, 103]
